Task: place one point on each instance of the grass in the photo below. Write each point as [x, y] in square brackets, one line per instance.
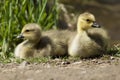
[30, 60]
[115, 50]
[14, 14]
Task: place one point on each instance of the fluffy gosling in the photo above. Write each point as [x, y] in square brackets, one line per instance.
[90, 40]
[34, 45]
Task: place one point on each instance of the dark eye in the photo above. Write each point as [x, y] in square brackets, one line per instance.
[27, 30]
[87, 20]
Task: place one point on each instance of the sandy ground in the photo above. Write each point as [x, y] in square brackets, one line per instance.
[90, 69]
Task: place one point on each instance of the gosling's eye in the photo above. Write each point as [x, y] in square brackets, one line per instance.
[27, 30]
[88, 20]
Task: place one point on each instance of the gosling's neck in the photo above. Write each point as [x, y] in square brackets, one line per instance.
[80, 30]
[30, 43]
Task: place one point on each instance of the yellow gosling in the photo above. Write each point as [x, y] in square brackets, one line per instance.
[90, 39]
[35, 45]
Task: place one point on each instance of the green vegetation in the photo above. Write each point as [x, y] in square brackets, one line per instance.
[30, 60]
[14, 14]
[115, 50]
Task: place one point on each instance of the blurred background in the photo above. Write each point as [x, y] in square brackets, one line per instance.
[107, 13]
[53, 14]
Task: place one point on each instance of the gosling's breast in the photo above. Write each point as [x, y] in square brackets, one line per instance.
[17, 50]
[79, 44]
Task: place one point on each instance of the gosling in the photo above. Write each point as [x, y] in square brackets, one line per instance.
[35, 45]
[59, 40]
[90, 40]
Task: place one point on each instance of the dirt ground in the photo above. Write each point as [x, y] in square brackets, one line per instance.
[57, 69]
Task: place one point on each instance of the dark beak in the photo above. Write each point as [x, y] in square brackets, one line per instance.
[96, 25]
[20, 36]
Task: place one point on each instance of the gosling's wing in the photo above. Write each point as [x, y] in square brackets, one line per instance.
[100, 36]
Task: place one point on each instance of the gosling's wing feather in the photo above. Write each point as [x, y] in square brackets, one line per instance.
[62, 36]
[100, 36]
[59, 40]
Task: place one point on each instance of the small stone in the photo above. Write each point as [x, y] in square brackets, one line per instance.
[38, 71]
[112, 58]
[23, 64]
[47, 66]
[99, 62]
[66, 62]
[95, 61]
[77, 62]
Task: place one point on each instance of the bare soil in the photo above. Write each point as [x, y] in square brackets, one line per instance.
[57, 69]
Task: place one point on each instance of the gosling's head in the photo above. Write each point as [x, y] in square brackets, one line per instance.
[87, 20]
[31, 32]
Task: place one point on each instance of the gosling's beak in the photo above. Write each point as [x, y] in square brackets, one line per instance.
[96, 25]
[20, 36]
